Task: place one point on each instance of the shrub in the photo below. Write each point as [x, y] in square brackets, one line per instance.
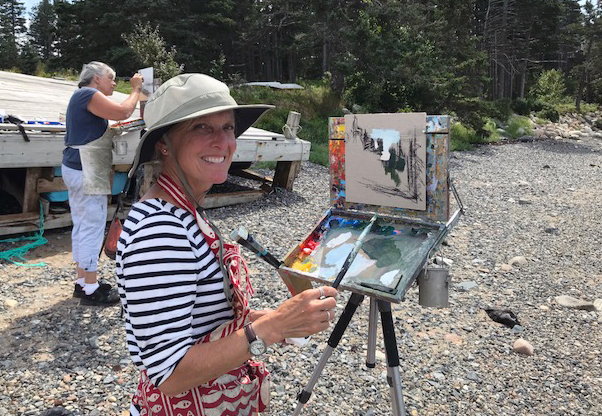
[462, 137]
[492, 130]
[519, 126]
[549, 113]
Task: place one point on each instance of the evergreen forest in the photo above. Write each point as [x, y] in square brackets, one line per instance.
[476, 59]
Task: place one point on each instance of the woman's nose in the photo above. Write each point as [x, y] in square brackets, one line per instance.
[222, 138]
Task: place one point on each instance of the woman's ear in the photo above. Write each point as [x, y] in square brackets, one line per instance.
[161, 148]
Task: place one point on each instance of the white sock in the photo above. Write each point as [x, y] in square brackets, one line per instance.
[81, 281]
[90, 288]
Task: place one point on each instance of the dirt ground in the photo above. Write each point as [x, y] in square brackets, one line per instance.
[56, 255]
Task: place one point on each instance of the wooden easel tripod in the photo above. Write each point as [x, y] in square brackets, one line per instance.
[393, 375]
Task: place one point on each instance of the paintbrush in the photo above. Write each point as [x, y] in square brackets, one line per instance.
[353, 254]
[242, 237]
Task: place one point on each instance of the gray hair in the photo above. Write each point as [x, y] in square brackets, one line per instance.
[91, 69]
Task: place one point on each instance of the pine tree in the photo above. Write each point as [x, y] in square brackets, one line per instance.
[12, 27]
[42, 28]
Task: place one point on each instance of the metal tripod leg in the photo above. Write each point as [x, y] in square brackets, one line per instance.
[333, 341]
[393, 375]
[372, 322]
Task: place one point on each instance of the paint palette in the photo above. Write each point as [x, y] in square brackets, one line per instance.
[387, 262]
[406, 232]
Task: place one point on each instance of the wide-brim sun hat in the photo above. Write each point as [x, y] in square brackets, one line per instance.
[185, 97]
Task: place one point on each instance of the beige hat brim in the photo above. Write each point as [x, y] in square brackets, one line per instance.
[245, 117]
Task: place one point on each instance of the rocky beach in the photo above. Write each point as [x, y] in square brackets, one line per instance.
[529, 242]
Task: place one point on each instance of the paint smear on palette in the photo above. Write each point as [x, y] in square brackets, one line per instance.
[339, 240]
[388, 254]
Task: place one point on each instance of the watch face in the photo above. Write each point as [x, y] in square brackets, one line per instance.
[257, 347]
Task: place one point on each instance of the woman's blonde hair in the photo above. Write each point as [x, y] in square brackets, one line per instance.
[91, 69]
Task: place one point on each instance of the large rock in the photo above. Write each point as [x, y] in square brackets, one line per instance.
[523, 347]
[574, 303]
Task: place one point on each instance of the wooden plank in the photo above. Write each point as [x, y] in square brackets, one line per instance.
[122, 168]
[232, 198]
[271, 150]
[31, 198]
[46, 150]
[285, 174]
[249, 174]
[56, 184]
[22, 223]
[8, 219]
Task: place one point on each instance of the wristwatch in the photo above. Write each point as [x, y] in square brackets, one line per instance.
[256, 345]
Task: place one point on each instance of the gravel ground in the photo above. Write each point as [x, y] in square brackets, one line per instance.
[538, 200]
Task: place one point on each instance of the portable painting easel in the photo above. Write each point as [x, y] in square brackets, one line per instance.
[390, 194]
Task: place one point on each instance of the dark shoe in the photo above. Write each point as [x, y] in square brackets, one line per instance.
[78, 291]
[105, 295]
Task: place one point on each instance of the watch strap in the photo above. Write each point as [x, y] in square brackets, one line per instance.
[249, 333]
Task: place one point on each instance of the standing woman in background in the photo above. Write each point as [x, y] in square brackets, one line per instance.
[87, 120]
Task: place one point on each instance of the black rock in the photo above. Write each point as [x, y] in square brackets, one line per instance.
[502, 316]
[57, 411]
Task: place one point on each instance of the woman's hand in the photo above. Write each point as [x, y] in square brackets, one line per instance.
[256, 314]
[101, 106]
[136, 82]
[307, 313]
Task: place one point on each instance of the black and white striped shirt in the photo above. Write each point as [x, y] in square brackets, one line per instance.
[170, 285]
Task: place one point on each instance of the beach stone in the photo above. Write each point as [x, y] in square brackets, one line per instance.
[523, 347]
[466, 286]
[518, 261]
[574, 303]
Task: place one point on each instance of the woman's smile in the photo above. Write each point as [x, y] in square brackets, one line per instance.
[213, 159]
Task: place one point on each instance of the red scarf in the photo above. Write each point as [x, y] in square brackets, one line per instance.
[250, 381]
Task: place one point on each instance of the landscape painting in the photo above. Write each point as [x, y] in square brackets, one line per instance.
[385, 159]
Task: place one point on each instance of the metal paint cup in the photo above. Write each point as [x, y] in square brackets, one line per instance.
[433, 287]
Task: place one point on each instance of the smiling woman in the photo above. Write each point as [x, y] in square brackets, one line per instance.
[185, 293]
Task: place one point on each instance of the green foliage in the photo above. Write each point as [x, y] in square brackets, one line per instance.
[319, 154]
[265, 165]
[493, 135]
[462, 137]
[42, 28]
[518, 126]
[29, 59]
[123, 86]
[549, 113]
[550, 87]
[150, 48]
[12, 26]
[525, 106]
[315, 103]
[474, 114]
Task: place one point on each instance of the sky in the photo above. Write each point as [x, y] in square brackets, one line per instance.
[30, 3]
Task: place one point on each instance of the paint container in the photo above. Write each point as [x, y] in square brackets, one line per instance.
[433, 287]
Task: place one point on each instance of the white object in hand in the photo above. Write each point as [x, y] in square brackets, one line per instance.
[299, 342]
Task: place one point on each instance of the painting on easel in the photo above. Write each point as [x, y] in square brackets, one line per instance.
[385, 156]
